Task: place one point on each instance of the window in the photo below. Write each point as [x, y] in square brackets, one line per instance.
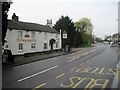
[56, 44]
[45, 36]
[20, 47]
[45, 45]
[33, 34]
[33, 45]
[6, 46]
[20, 34]
[56, 35]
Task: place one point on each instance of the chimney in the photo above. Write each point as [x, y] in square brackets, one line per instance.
[49, 22]
[15, 18]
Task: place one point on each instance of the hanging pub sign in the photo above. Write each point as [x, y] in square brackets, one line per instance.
[27, 35]
[64, 35]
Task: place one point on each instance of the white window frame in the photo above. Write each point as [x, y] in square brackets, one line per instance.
[45, 45]
[45, 35]
[20, 34]
[56, 44]
[33, 46]
[20, 46]
[32, 34]
[56, 36]
[6, 46]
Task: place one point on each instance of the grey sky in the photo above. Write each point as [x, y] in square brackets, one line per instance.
[103, 13]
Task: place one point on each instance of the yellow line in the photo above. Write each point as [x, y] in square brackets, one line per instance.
[60, 75]
[73, 69]
[39, 86]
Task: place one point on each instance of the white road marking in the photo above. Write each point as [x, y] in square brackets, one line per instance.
[36, 74]
[79, 51]
[73, 59]
[86, 53]
[77, 57]
[93, 51]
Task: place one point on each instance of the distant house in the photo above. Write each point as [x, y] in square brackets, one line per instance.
[115, 37]
[25, 37]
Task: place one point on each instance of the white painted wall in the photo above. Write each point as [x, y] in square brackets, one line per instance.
[13, 41]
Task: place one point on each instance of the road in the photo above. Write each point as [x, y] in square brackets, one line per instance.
[90, 68]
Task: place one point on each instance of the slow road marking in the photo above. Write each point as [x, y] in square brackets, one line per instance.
[36, 74]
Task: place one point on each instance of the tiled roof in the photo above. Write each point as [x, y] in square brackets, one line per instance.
[30, 26]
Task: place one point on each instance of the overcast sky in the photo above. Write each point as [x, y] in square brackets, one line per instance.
[103, 13]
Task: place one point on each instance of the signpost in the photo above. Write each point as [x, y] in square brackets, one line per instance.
[64, 35]
[67, 47]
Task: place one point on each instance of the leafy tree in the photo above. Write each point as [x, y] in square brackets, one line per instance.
[98, 39]
[66, 24]
[86, 38]
[5, 9]
[85, 27]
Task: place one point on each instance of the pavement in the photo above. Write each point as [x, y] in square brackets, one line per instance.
[20, 60]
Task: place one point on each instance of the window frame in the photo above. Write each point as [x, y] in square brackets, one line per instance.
[32, 34]
[20, 34]
[20, 46]
[45, 46]
[33, 46]
[45, 35]
[56, 44]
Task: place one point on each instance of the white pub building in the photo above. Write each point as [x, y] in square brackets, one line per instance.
[25, 37]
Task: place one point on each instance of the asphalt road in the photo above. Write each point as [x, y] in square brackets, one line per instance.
[90, 68]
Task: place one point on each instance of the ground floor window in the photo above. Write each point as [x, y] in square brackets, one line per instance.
[33, 46]
[20, 45]
[56, 44]
[45, 45]
[6, 46]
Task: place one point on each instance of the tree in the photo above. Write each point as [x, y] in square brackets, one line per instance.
[98, 39]
[66, 24]
[86, 38]
[5, 9]
[85, 27]
[77, 39]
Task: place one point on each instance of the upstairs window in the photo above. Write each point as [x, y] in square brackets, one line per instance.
[45, 36]
[33, 34]
[20, 34]
[57, 36]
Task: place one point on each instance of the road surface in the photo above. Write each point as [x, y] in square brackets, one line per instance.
[90, 68]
